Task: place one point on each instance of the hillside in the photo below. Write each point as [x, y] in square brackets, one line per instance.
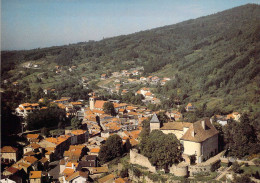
[215, 60]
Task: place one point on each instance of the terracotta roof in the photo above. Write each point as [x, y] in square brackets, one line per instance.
[98, 111]
[43, 160]
[95, 150]
[68, 171]
[33, 145]
[102, 169]
[30, 159]
[120, 180]
[200, 134]
[189, 105]
[20, 108]
[8, 149]
[69, 164]
[76, 103]
[28, 108]
[133, 142]
[35, 174]
[30, 153]
[175, 125]
[99, 104]
[78, 132]
[77, 174]
[12, 170]
[148, 94]
[106, 178]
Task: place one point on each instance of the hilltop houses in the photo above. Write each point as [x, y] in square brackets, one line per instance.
[26, 108]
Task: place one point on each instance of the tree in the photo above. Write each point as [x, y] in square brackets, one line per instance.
[75, 123]
[242, 179]
[236, 167]
[111, 149]
[49, 117]
[109, 108]
[45, 131]
[162, 117]
[241, 137]
[162, 150]
[127, 146]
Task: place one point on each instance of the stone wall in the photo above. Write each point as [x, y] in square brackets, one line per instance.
[199, 168]
[179, 170]
[136, 158]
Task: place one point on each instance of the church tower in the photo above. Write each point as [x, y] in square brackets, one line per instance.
[92, 102]
[155, 123]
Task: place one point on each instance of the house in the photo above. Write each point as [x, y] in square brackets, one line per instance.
[77, 177]
[35, 177]
[199, 139]
[104, 76]
[26, 108]
[235, 116]
[33, 137]
[98, 170]
[135, 73]
[163, 82]
[120, 180]
[107, 179]
[174, 115]
[155, 80]
[190, 107]
[142, 79]
[9, 154]
[33, 147]
[94, 151]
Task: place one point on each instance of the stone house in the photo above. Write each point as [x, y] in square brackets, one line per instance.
[9, 154]
[199, 139]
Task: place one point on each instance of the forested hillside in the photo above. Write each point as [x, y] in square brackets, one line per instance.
[215, 60]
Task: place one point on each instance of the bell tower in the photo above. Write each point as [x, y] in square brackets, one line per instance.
[92, 102]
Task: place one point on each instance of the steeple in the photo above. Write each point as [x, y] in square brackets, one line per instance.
[154, 119]
[155, 123]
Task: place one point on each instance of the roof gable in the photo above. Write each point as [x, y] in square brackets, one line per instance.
[197, 133]
[154, 119]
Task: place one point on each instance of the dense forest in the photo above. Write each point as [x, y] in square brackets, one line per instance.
[213, 60]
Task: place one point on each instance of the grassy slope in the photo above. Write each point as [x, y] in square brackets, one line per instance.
[216, 56]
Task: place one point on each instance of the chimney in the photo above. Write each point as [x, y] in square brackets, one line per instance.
[203, 125]
[193, 133]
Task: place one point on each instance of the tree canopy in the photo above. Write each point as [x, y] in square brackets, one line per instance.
[111, 149]
[241, 137]
[162, 150]
[49, 117]
[109, 108]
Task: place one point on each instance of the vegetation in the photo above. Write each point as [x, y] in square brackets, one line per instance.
[162, 150]
[49, 117]
[212, 60]
[241, 138]
[111, 149]
[109, 108]
[75, 123]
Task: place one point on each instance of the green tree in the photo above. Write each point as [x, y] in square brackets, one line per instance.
[236, 167]
[162, 150]
[241, 137]
[127, 146]
[111, 149]
[49, 117]
[75, 123]
[109, 108]
[162, 117]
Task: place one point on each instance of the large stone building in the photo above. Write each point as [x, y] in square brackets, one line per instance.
[199, 139]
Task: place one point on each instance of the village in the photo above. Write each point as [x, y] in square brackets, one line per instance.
[74, 156]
